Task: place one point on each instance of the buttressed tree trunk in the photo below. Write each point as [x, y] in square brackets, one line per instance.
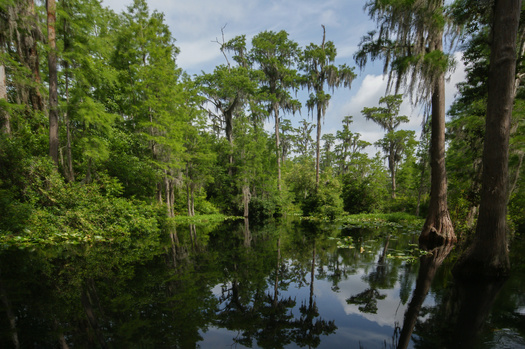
[488, 254]
[53, 81]
[438, 228]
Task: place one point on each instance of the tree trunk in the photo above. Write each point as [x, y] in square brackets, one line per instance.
[191, 199]
[246, 199]
[5, 118]
[34, 63]
[488, 254]
[392, 166]
[172, 198]
[438, 228]
[228, 121]
[53, 81]
[168, 196]
[277, 145]
[70, 174]
[158, 193]
[68, 168]
[317, 147]
[27, 35]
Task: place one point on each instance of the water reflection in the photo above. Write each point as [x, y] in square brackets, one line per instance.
[428, 266]
[272, 286]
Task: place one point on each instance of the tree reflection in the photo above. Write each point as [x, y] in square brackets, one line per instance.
[460, 316]
[383, 277]
[366, 300]
[427, 270]
[308, 327]
[265, 316]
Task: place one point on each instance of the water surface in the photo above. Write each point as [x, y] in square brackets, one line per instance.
[280, 285]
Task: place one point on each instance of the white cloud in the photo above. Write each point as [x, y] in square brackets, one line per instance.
[196, 55]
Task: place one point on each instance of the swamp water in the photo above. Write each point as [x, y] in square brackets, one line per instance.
[289, 285]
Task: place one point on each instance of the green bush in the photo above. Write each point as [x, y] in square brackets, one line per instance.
[261, 209]
[358, 197]
[326, 201]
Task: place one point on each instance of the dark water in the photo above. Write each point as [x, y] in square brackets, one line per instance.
[290, 285]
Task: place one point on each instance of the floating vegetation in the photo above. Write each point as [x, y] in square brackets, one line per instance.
[345, 242]
[409, 255]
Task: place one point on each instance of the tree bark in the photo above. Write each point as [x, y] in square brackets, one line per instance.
[438, 228]
[68, 168]
[488, 255]
[70, 173]
[317, 147]
[277, 145]
[168, 195]
[392, 166]
[53, 81]
[5, 118]
[246, 196]
[34, 63]
[27, 34]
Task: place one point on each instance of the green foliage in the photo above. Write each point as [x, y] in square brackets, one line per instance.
[262, 209]
[51, 211]
[406, 41]
[410, 255]
[365, 186]
[326, 201]
[378, 220]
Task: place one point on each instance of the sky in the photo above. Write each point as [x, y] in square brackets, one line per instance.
[196, 26]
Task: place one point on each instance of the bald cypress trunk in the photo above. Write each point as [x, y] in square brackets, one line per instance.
[438, 228]
[488, 254]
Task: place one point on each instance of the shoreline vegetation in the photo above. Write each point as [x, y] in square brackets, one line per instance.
[111, 141]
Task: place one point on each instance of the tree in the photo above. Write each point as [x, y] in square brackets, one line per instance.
[303, 139]
[317, 63]
[53, 81]
[488, 255]
[466, 130]
[153, 103]
[328, 155]
[410, 40]
[286, 138]
[227, 88]
[276, 56]
[394, 142]
[86, 82]
[350, 145]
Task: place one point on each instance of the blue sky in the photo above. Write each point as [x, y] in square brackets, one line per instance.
[196, 24]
